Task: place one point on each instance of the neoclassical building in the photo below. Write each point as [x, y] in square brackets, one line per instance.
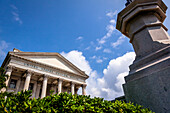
[42, 72]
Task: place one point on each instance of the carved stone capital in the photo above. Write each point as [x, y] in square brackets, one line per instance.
[46, 76]
[83, 85]
[72, 83]
[39, 82]
[29, 72]
[9, 68]
[60, 80]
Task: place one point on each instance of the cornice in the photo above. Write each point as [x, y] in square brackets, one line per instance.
[49, 54]
[55, 68]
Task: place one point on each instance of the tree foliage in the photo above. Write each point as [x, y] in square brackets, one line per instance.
[63, 103]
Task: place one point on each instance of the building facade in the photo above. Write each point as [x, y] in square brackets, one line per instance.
[42, 72]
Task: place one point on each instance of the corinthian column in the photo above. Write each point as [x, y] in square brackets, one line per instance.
[38, 90]
[8, 72]
[72, 88]
[34, 90]
[83, 89]
[27, 80]
[59, 86]
[44, 87]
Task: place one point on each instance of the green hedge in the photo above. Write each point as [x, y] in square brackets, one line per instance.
[62, 103]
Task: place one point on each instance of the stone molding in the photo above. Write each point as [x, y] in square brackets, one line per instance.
[53, 71]
[83, 74]
[46, 76]
[137, 7]
[29, 72]
[9, 68]
[84, 85]
[72, 83]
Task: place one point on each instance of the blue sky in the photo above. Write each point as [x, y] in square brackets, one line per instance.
[83, 29]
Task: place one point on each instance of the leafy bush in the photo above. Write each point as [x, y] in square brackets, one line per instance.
[63, 103]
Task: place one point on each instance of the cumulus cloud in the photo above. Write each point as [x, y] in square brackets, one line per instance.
[78, 60]
[115, 72]
[79, 38]
[3, 49]
[16, 14]
[110, 85]
[120, 40]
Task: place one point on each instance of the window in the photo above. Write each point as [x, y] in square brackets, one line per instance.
[31, 85]
[13, 84]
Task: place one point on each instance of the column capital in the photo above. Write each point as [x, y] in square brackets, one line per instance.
[39, 83]
[29, 72]
[84, 85]
[9, 68]
[46, 76]
[60, 79]
[72, 83]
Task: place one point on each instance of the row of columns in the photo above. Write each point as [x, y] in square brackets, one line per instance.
[44, 86]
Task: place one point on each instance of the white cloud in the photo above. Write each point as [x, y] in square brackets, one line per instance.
[93, 57]
[14, 7]
[118, 42]
[111, 14]
[99, 60]
[87, 48]
[79, 38]
[107, 51]
[16, 14]
[113, 21]
[110, 85]
[78, 60]
[98, 48]
[3, 49]
[115, 72]
[110, 28]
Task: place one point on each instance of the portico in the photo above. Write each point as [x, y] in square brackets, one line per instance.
[25, 73]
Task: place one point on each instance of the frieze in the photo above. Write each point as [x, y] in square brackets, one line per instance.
[47, 70]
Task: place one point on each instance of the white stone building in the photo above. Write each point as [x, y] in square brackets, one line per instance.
[42, 72]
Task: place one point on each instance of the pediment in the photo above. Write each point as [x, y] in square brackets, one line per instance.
[51, 59]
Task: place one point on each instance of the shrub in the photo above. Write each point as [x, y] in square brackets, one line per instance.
[63, 103]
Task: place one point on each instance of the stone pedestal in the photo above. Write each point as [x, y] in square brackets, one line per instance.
[148, 82]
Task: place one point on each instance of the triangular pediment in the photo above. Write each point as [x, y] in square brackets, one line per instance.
[51, 59]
